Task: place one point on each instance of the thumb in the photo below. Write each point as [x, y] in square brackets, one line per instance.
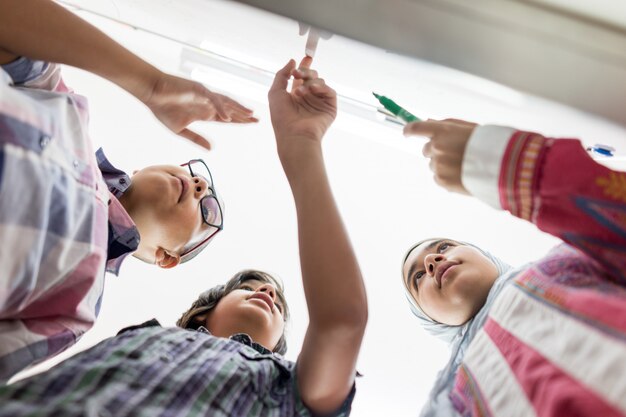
[281, 80]
[195, 138]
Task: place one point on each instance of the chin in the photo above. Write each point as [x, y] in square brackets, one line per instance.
[143, 258]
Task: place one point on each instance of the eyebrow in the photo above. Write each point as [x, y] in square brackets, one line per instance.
[415, 265]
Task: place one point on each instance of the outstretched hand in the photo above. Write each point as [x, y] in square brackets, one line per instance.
[178, 102]
[446, 148]
[305, 112]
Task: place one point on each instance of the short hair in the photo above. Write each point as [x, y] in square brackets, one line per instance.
[209, 299]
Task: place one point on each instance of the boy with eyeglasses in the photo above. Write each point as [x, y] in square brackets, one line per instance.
[67, 214]
[225, 359]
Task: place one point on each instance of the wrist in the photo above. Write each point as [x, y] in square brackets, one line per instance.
[146, 83]
[139, 78]
[296, 154]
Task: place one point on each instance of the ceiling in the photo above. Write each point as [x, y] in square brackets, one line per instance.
[573, 52]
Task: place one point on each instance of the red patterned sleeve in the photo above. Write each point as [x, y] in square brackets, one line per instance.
[555, 184]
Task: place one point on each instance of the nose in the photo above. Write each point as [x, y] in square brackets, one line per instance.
[199, 187]
[431, 261]
[269, 289]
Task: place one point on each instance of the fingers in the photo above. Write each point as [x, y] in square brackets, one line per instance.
[238, 113]
[460, 122]
[244, 120]
[305, 63]
[322, 90]
[319, 89]
[444, 149]
[305, 79]
[222, 114]
[304, 74]
[281, 80]
[195, 138]
[316, 86]
[236, 107]
[427, 150]
[238, 118]
[428, 128]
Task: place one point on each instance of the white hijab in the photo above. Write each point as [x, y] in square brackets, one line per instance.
[446, 332]
[457, 337]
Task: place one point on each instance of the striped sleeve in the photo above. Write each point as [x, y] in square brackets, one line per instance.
[556, 185]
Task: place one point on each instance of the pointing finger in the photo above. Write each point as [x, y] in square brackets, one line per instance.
[427, 128]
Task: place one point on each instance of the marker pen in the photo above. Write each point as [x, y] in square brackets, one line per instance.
[391, 105]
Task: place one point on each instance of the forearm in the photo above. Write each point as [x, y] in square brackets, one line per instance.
[41, 29]
[332, 283]
[331, 276]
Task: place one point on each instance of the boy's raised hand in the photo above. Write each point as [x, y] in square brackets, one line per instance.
[305, 112]
[177, 102]
[331, 277]
[445, 149]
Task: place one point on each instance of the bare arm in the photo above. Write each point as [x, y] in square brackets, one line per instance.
[331, 277]
[43, 30]
[6, 57]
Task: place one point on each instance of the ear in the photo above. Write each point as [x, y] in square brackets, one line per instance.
[166, 260]
[200, 319]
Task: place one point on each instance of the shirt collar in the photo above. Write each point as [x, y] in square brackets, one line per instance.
[244, 339]
[117, 180]
[123, 236]
[239, 337]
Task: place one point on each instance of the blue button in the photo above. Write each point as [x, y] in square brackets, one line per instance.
[44, 140]
[603, 150]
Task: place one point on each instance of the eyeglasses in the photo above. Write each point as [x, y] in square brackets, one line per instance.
[210, 208]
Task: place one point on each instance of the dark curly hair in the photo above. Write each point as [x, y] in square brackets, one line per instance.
[209, 299]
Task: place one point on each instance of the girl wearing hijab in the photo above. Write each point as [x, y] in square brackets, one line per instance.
[545, 339]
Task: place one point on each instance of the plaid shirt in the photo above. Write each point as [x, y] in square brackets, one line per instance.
[53, 217]
[153, 371]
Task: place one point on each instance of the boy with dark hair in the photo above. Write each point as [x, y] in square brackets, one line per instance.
[224, 362]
